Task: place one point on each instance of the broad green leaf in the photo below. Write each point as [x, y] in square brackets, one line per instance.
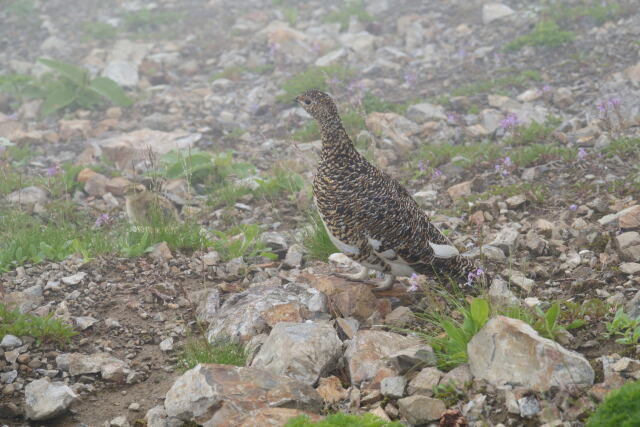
[76, 74]
[552, 314]
[60, 97]
[110, 90]
[576, 324]
[479, 311]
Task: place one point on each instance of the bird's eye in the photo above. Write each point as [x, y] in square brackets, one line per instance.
[307, 102]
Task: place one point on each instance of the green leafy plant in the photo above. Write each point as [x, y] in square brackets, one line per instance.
[43, 329]
[625, 325]
[450, 345]
[241, 241]
[545, 33]
[448, 393]
[621, 408]
[349, 8]
[342, 420]
[282, 181]
[372, 103]
[224, 351]
[316, 239]
[533, 133]
[504, 80]
[186, 235]
[148, 20]
[74, 86]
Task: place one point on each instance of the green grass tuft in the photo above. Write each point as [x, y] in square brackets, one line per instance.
[222, 351]
[342, 420]
[621, 408]
[349, 8]
[316, 239]
[43, 329]
[545, 33]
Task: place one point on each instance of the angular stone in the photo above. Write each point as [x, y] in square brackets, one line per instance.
[495, 11]
[630, 220]
[45, 399]
[28, 196]
[393, 386]
[10, 341]
[394, 127]
[409, 358]
[80, 364]
[294, 256]
[302, 351]
[627, 239]
[425, 381]
[507, 240]
[509, 351]
[214, 394]
[401, 316]
[459, 376]
[514, 202]
[420, 410]
[331, 390]
[613, 219]
[460, 190]
[242, 315]
[367, 351]
[630, 267]
[351, 299]
[424, 112]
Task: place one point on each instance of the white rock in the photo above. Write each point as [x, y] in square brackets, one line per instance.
[122, 72]
[28, 196]
[495, 11]
[421, 113]
[509, 351]
[167, 344]
[75, 278]
[393, 387]
[10, 341]
[45, 399]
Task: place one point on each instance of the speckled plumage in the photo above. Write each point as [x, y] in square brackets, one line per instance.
[371, 217]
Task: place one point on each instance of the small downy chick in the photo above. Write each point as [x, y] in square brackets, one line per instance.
[145, 207]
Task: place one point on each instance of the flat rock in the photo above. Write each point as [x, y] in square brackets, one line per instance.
[420, 410]
[243, 315]
[79, 364]
[495, 11]
[215, 394]
[460, 190]
[28, 196]
[367, 351]
[421, 113]
[302, 351]
[507, 240]
[630, 267]
[352, 299]
[425, 381]
[45, 399]
[613, 219]
[509, 351]
[393, 386]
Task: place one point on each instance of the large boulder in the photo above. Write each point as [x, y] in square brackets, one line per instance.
[45, 399]
[303, 351]
[509, 351]
[215, 394]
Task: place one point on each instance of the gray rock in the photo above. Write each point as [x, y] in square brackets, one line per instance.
[400, 316]
[630, 267]
[214, 394]
[424, 112]
[420, 410]
[80, 364]
[507, 240]
[393, 386]
[10, 342]
[84, 322]
[459, 376]
[120, 421]
[519, 279]
[211, 258]
[529, 406]
[241, 315]
[500, 294]
[612, 219]
[28, 196]
[45, 399]
[26, 300]
[495, 11]
[208, 303]
[302, 351]
[632, 307]
[411, 357]
[166, 344]
[8, 377]
[294, 256]
[122, 72]
[75, 278]
[367, 351]
[425, 381]
[509, 351]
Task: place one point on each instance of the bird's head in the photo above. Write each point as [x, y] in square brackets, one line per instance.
[318, 104]
[135, 189]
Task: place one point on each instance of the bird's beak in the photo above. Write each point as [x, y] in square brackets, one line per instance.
[297, 99]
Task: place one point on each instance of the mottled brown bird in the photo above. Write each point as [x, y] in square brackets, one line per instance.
[370, 217]
[145, 207]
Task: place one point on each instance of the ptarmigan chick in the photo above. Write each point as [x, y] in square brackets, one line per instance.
[145, 207]
[369, 216]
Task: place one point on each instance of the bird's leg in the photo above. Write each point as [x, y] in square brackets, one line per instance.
[386, 284]
[360, 276]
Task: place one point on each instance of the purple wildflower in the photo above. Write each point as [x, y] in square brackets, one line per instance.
[437, 173]
[573, 208]
[582, 154]
[507, 162]
[413, 282]
[452, 118]
[602, 107]
[53, 170]
[103, 219]
[510, 122]
[410, 78]
[355, 86]
[503, 166]
[473, 275]
[614, 102]
[421, 166]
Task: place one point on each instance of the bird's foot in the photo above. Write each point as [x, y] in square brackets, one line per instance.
[361, 276]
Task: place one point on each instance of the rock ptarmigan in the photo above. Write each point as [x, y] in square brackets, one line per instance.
[145, 207]
[370, 216]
